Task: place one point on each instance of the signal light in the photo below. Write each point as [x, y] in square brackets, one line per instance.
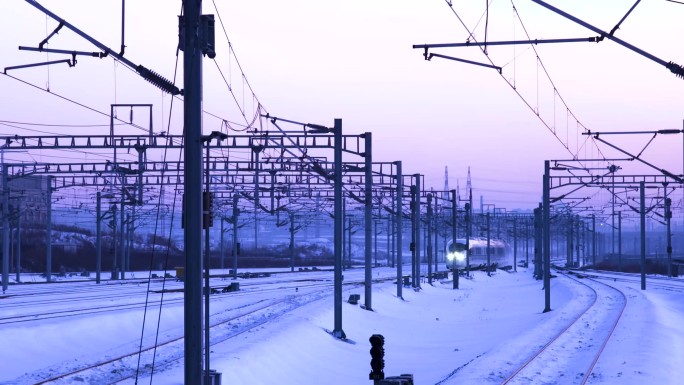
[207, 209]
[668, 205]
[377, 353]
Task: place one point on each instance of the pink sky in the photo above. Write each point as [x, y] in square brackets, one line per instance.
[314, 62]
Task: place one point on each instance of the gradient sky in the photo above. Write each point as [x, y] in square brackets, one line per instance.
[313, 61]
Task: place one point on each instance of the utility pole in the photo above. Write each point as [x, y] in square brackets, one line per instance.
[398, 224]
[192, 186]
[5, 228]
[593, 240]
[570, 238]
[515, 244]
[642, 212]
[48, 232]
[578, 240]
[429, 237]
[436, 233]
[619, 240]
[349, 242]
[546, 214]
[18, 264]
[413, 236]
[454, 269]
[338, 231]
[417, 204]
[122, 248]
[390, 261]
[527, 243]
[489, 250]
[115, 273]
[223, 230]
[376, 232]
[668, 216]
[256, 151]
[538, 242]
[236, 245]
[98, 237]
[344, 233]
[292, 234]
[368, 211]
[469, 223]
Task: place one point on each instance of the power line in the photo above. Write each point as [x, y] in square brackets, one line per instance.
[61, 125]
[515, 89]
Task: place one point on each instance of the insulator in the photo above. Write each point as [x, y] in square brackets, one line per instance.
[676, 69]
[158, 80]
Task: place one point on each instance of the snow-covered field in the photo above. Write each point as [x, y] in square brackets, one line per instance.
[478, 334]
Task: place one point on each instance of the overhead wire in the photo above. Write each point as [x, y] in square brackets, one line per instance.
[555, 89]
[232, 51]
[60, 125]
[154, 241]
[513, 87]
[70, 100]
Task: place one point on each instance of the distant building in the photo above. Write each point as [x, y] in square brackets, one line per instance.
[28, 196]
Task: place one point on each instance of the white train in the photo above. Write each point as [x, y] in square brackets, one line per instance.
[499, 253]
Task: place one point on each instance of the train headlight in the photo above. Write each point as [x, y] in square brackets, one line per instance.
[456, 256]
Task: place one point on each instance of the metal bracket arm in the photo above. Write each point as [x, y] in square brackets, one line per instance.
[42, 43]
[672, 66]
[65, 51]
[665, 172]
[469, 43]
[149, 75]
[464, 61]
[69, 62]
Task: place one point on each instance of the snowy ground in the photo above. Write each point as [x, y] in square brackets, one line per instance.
[477, 334]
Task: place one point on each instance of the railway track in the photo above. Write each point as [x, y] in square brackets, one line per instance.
[226, 324]
[86, 306]
[570, 356]
[634, 278]
[122, 367]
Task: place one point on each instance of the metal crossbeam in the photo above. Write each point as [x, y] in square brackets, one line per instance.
[631, 181]
[350, 143]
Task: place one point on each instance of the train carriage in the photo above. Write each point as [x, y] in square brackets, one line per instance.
[476, 255]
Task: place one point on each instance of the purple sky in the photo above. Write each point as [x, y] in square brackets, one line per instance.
[316, 61]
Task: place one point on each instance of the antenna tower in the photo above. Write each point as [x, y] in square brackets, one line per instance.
[445, 194]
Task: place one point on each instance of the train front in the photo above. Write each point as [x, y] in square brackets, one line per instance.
[456, 255]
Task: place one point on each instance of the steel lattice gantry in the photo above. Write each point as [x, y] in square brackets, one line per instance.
[569, 183]
[310, 173]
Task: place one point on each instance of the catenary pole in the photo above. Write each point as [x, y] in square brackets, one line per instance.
[5, 229]
[236, 214]
[489, 249]
[98, 238]
[192, 159]
[428, 219]
[48, 232]
[642, 213]
[368, 211]
[619, 240]
[417, 204]
[338, 230]
[668, 216]
[413, 235]
[18, 265]
[546, 214]
[399, 229]
[515, 244]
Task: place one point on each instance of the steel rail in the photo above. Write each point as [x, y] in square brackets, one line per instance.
[574, 321]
